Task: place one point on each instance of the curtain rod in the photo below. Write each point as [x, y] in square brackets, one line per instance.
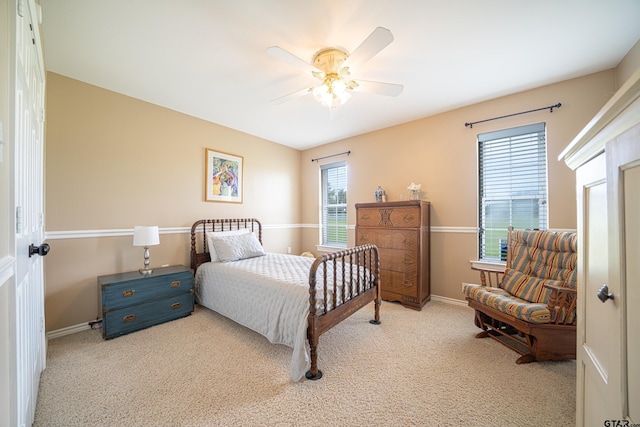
[333, 155]
[550, 108]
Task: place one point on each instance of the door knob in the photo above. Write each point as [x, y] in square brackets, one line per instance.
[604, 293]
[41, 250]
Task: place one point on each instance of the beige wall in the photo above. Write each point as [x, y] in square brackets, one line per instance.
[440, 153]
[113, 162]
[629, 64]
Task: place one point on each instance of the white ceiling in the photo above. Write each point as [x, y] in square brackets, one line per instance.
[206, 58]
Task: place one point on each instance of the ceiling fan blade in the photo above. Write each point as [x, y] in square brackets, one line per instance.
[291, 96]
[377, 40]
[379, 88]
[281, 54]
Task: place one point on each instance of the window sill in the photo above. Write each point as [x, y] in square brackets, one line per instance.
[488, 265]
[325, 248]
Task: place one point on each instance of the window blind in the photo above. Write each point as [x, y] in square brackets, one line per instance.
[512, 185]
[334, 204]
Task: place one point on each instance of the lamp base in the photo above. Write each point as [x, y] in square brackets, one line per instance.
[145, 271]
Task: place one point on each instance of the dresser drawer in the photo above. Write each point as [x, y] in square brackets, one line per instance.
[142, 289]
[399, 260]
[129, 319]
[403, 283]
[389, 217]
[386, 238]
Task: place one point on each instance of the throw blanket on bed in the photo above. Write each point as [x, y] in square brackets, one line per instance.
[268, 294]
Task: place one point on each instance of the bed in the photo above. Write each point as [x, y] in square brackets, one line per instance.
[288, 299]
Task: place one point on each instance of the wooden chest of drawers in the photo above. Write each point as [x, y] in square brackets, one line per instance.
[400, 230]
[131, 302]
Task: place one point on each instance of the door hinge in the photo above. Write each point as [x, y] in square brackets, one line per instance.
[20, 8]
[18, 219]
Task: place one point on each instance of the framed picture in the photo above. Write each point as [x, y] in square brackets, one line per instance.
[223, 177]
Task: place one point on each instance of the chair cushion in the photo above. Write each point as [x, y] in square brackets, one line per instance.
[524, 310]
[501, 300]
[482, 293]
[553, 256]
[528, 288]
[545, 254]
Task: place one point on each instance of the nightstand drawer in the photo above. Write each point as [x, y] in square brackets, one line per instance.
[141, 289]
[129, 319]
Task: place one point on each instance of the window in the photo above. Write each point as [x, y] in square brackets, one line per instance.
[334, 204]
[513, 185]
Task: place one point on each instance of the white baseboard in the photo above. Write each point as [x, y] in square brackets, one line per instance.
[448, 300]
[67, 331]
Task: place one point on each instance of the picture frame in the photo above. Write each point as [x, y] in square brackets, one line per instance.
[223, 177]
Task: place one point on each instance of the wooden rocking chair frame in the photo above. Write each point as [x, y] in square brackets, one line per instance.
[535, 342]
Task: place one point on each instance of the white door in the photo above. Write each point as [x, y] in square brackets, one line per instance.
[28, 300]
[598, 326]
[623, 176]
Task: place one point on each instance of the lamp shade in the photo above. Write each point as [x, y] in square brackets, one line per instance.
[146, 235]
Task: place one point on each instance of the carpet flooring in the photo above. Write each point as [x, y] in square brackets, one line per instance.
[418, 368]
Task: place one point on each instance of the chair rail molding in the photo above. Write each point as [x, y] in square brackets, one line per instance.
[84, 234]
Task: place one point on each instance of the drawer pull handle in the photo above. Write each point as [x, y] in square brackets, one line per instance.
[128, 293]
[365, 217]
[407, 283]
[175, 284]
[129, 318]
[176, 305]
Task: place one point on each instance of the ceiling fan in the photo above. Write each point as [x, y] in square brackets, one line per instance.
[332, 67]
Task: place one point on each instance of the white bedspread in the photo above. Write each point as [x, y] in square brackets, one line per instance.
[268, 294]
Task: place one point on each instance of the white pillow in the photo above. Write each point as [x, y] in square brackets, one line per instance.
[234, 248]
[211, 236]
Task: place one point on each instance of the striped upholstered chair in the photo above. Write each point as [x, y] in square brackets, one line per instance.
[532, 308]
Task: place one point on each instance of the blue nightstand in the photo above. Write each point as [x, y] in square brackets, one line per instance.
[131, 302]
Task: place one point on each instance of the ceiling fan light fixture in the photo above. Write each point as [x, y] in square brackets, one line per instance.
[332, 67]
[340, 91]
[332, 92]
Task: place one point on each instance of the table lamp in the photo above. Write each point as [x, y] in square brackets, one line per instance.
[146, 236]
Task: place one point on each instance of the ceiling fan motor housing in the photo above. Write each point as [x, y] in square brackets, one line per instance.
[329, 60]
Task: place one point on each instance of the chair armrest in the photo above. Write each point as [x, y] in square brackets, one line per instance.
[562, 304]
[490, 277]
[560, 288]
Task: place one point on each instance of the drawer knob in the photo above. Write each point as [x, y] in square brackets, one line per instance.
[128, 293]
[175, 284]
[129, 318]
[176, 305]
